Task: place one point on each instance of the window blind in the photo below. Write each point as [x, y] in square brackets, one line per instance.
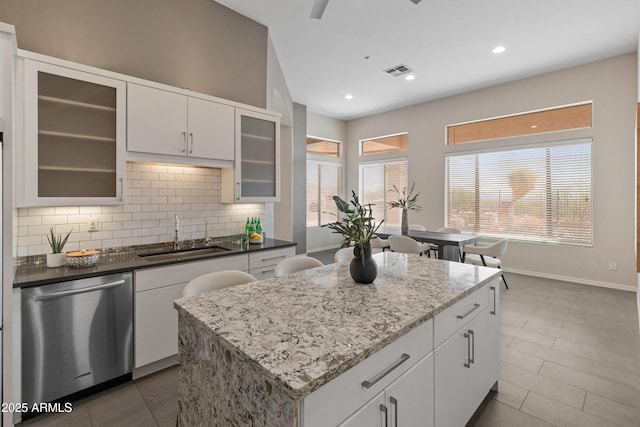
[542, 193]
[323, 182]
[376, 187]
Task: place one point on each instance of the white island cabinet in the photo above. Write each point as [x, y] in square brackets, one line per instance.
[316, 349]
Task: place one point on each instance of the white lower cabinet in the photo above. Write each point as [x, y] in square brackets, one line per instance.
[406, 402]
[262, 264]
[155, 319]
[467, 363]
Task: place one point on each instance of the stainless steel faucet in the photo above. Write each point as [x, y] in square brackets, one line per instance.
[176, 242]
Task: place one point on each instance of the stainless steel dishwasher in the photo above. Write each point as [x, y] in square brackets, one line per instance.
[76, 335]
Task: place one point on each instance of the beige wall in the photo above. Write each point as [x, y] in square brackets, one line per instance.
[611, 84]
[195, 44]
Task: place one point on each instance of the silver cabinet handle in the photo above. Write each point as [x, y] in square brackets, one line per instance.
[274, 257]
[493, 288]
[381, 375]
[52, 295]
[467, 364]
[472, 355]
[267, 271]
[394, 402]
[462, 316]
[184, 142]
[386, 417]
[191, 137]
[121, 189]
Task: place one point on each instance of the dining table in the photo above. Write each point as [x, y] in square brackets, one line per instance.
[449, 244]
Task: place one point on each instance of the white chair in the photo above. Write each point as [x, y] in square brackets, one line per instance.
[417, 227]
[378, 243]
[218, 280]
[343, 255]
[407, 245]
[296, 263]
[487, 254]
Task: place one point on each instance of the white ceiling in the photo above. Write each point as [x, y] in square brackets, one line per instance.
[447, 43]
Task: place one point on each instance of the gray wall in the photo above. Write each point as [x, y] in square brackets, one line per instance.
[299, 176]
[195, 44]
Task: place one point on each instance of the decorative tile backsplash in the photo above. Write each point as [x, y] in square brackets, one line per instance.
[154, 194]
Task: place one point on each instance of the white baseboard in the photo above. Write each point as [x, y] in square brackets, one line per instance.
[571, 279]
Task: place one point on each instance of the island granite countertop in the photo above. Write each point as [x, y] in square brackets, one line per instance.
[305, 329]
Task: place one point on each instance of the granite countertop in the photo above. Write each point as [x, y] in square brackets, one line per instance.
[33, 271]
[306, 328]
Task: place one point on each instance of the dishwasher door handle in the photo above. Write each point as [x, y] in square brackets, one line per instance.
[43, 297]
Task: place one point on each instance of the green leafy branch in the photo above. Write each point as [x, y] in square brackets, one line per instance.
[357, 224]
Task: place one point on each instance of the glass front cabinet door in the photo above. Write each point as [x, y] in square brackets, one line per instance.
[256, 175]
[74, 137]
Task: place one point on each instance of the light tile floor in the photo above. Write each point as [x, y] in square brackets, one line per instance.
[570, 356]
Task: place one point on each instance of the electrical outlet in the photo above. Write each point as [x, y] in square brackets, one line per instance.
[613, 265]
[93, 224]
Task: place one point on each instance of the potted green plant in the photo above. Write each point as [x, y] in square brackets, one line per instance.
[57, 258]
[407, 201]
[357, 226]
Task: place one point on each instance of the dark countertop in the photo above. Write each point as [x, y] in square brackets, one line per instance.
[118, 260]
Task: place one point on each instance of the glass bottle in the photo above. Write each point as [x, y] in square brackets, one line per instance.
[258, 227]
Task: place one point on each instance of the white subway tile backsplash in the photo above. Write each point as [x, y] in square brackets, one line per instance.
[154, 194]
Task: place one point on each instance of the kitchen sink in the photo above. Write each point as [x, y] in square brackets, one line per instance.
[179, 254]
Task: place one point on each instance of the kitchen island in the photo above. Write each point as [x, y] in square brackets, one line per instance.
[314, 348]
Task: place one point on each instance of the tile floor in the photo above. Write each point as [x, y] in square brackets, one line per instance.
[569, 356]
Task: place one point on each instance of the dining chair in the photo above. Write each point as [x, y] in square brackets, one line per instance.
[379, 243]
[487, 254]
[296, 263]
[406, 244]
[343, 255]
[417, 227]
[217, 280]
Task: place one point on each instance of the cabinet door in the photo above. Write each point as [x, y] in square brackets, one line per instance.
[256, 177]
[374, 414]
[211, 130]
[486, 358]
[74, 136]
[451, 366]
[157, 121]
[156, 324]
[410, 397]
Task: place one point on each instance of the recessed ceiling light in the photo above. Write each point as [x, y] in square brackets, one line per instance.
[499, 49]
[348, 96]
[534, 126]
[410, 77]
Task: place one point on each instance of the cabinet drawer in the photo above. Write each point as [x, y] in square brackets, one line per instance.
[265, 272]
[336, 400]
[269, 257]
[453, 318]
[158, 277]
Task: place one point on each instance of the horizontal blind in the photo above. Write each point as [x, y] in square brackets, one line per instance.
[323, 182]
[376, 187]
[542, 193]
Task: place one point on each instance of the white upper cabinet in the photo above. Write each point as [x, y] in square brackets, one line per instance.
[73, 129]
[256, 174]
[168, 123]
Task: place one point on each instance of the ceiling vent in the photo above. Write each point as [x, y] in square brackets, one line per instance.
[398, 70]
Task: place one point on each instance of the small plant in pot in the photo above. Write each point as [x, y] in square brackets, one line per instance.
[407, 201]
[357, 226]
[57, 258]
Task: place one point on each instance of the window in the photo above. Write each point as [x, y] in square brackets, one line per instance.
[551, 120]
[323, 147]
[384, 144]
[323, 182]
[376, 187]
[542, 193]
[324, 171]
